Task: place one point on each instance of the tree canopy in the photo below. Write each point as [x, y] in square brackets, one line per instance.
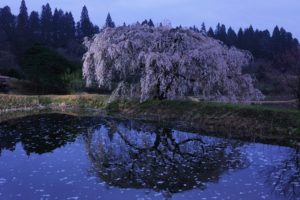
[46, 68]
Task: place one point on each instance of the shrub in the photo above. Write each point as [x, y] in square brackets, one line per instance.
[48, 70]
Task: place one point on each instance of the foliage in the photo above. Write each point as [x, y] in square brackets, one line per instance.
[143, 62]
[47, 69]
[74, 80]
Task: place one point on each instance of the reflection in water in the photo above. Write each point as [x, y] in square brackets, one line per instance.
[284, 177]
[130, 155]
[146, 158]
[41, 133]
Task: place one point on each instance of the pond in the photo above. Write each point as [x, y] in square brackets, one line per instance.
[58, 156]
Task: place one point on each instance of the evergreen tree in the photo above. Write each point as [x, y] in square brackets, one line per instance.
[46, 24]
[220, 32]
[58, 28]
[109, 22]
[7, 23]
[264, 49]
[78, 33]
[86, 26]
[145, 22]
[22, 21]
[150, 23]
[69, 25]
[203, 28]
[231, 37]
[276, 37]
[210, 33]
[194, 28]
[34, 26]
[240, 39]
[286, 39]
[96, 29]
[249, 39]
[223, 33]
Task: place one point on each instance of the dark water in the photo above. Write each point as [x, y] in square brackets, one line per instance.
[55, 156]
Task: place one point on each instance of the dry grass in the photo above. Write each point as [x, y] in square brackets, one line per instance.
[19, 102]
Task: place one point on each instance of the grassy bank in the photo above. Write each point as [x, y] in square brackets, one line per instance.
[25, 102]
[237, 121]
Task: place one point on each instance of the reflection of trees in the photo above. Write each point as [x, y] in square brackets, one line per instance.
[40, 133]
[285, 176]
[158, 158]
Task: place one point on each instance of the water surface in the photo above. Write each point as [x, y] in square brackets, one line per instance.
[57, 156]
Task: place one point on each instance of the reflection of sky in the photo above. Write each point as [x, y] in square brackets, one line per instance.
[261, 14]
[66, 173]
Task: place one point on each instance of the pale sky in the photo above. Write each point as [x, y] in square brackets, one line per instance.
[262, 14]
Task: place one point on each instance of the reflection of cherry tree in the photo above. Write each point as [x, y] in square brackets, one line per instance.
[285, 176]
[158, 158]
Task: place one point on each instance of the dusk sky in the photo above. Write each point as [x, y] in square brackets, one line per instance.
[262, 14]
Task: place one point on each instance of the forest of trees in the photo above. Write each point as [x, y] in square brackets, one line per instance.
[279, 46]
[58, 31]
[52, 32]
[276, 66]
[51, 28]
